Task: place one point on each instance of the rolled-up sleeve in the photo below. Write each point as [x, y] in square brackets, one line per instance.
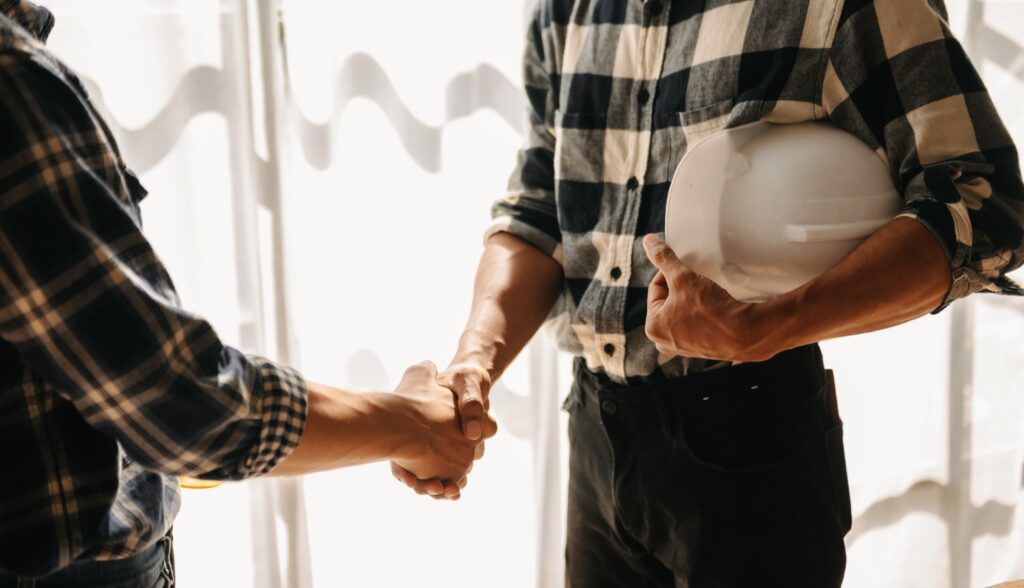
[898, 79]
[94, 315]
[529, 211]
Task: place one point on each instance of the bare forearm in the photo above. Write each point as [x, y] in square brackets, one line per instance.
[516, 286]
[897, 275]
[346, 429]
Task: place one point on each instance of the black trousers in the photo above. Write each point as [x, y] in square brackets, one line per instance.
[734, 477]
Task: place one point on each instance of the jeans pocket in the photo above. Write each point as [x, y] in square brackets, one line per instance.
[835, 457]
[748, 429]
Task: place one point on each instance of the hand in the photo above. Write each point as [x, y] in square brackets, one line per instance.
[471, 384]
[439, 450]
[691, 316]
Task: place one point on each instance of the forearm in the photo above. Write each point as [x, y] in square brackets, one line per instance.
[516, 286]
[898, 274]
[346, 429]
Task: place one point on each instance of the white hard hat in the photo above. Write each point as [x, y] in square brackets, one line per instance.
[764, 208]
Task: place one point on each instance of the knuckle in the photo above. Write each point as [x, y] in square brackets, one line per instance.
[472, 401]
[424, 368]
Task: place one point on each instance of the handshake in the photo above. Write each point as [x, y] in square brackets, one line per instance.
[449, 423]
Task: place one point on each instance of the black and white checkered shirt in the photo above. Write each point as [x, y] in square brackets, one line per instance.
[618, 90]
[108, 388]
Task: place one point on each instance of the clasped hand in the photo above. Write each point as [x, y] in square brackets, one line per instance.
[691, 316]
[453, 421]
[687, 315]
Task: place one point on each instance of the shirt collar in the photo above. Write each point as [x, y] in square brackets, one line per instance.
[37, 20]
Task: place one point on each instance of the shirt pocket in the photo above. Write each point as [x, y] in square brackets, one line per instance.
[692, 126]
[579, 169]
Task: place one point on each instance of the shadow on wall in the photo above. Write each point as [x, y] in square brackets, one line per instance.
[991, 518]
[206, 89]
[363, 77]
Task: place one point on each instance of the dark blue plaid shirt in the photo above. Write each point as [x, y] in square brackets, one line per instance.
[109, 390]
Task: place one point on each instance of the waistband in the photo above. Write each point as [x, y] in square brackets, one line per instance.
[804, 362]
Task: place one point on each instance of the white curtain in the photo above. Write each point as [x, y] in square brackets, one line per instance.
[320, 176]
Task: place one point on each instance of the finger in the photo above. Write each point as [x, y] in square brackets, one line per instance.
[479, 452]
[664, 350]
[657, 292]
[490, 426]
[403, 475]
[663, 258]
[471, 410]
[462, 483]
[429, 487]
[432, 487]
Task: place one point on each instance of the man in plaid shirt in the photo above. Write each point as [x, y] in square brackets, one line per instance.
[109, 389]
[706, 449]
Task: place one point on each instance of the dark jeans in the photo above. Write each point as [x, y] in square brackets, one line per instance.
[151, 568]
[727, 478]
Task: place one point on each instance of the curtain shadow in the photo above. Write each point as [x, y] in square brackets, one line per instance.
[991, 518]
[1001, 49]
[363, 77]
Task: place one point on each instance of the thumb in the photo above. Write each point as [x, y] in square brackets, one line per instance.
[663, 258]
[471, 407]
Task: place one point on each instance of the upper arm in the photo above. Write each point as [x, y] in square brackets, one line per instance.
[529, 210]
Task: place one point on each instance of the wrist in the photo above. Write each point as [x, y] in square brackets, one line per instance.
[400, 427]
[772, 327]
[478, 350]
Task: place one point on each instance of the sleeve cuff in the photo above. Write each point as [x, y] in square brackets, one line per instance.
[527, 232]
[937, 219]
[951, 227]
[281, 402]
[933, 200]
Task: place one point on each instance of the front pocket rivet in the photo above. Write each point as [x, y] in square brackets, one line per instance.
[705, 398]
[754, 387]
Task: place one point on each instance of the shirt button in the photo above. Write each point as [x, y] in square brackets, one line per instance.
[616, 273]
[609, 349]
[632, 183]
[643, 96]
[609, 407]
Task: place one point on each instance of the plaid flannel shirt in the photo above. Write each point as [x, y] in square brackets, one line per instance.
[108, 388]
[618, 90]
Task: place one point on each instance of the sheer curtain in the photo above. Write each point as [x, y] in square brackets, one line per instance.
[320, 176]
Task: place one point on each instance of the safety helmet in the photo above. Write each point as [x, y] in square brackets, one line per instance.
[763, 208]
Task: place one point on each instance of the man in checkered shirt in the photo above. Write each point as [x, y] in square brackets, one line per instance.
[110, 390]
[687, 469]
